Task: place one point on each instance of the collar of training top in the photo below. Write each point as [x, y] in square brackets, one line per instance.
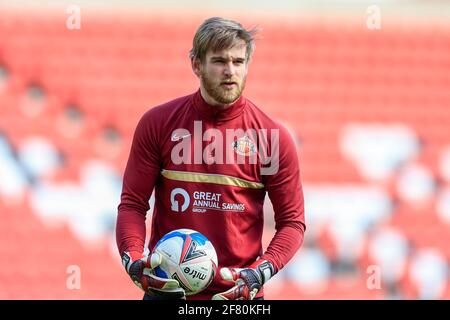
[216, 114]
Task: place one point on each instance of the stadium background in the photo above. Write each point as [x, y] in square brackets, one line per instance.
[369, 109]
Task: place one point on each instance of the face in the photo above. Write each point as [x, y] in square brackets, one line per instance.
[222, 75]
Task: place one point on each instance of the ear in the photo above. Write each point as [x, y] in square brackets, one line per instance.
[196, 66]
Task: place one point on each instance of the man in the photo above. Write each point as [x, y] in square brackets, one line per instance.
[211, 157]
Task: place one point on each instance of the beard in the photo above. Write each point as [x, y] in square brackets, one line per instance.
[221, 94]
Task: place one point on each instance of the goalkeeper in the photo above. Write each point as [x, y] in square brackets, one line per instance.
[210, 158]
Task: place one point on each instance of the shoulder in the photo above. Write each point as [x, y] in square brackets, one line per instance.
[166, 110]
[154, 121]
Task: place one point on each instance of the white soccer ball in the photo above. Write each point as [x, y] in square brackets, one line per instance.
[188, 257]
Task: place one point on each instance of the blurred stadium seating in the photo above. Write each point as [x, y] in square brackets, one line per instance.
[370, 111]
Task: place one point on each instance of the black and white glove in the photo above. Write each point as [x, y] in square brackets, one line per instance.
[142, 273]
[248, 281]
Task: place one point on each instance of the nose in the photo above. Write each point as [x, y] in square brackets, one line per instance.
[229, 70]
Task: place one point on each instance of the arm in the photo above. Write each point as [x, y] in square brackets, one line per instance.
[286, 194]
[142, 170]
[140, 175]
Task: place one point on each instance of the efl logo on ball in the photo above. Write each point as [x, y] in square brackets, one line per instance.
[188, 257]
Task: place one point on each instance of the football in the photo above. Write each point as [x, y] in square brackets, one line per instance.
[188, 257]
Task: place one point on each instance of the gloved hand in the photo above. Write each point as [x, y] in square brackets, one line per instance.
[248, 281]
[142, 274]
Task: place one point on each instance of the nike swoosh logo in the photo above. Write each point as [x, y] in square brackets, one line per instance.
[176, 137]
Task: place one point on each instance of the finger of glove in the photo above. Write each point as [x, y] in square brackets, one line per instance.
[162, 283]
[230, 274]
[252, 294]
[152, 261]
[174, 294]
[235, 293]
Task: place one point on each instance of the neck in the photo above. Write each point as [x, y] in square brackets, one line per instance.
[211, 101]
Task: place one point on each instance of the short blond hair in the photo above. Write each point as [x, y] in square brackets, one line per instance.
[217, 34]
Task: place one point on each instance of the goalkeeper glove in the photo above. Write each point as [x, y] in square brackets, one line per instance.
[248, 281]
[142, 274]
